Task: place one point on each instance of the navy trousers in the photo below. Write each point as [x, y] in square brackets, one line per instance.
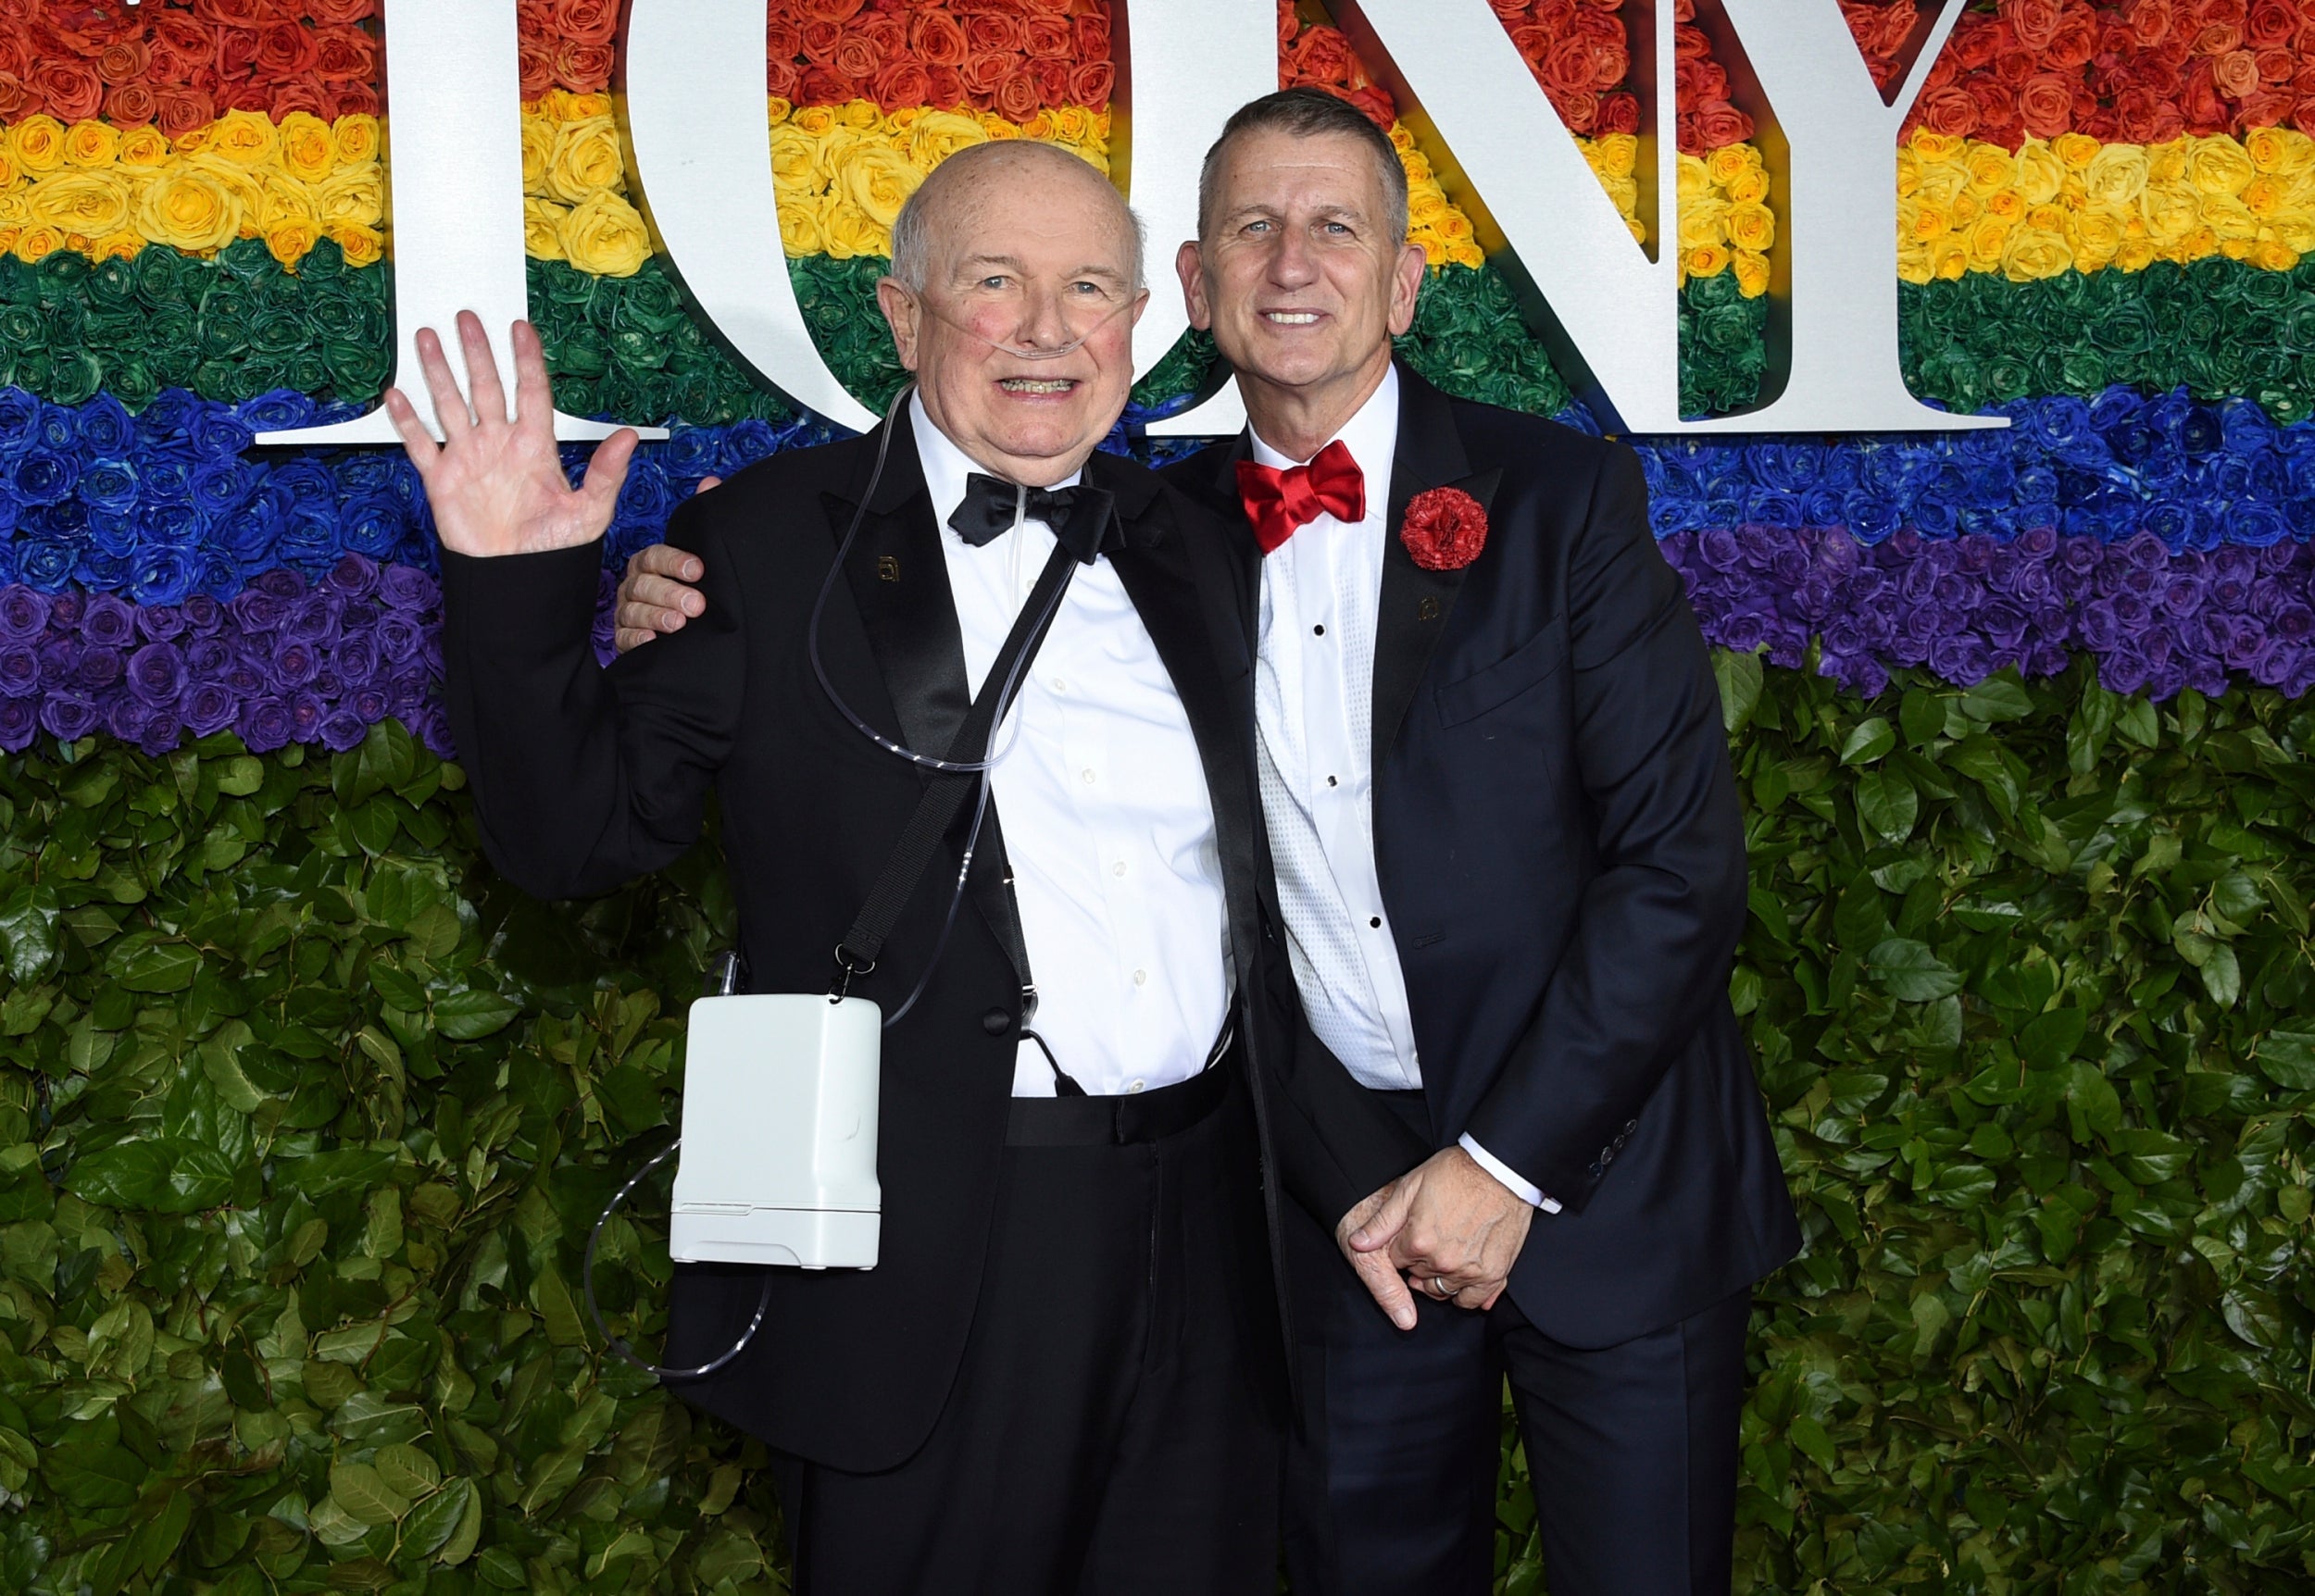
[1391, 1486]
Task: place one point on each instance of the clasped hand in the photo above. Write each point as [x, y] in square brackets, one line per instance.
[1447, 1227]
[496, 486]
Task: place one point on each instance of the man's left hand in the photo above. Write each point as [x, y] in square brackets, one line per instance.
[1451, 1228]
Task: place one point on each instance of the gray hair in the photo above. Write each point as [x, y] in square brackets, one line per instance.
[912, 240]
[1309, 112]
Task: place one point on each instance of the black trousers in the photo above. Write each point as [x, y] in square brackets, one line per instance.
[1115, 1426]
[1391, 1486]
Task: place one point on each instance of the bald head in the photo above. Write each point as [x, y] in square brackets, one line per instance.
[964, 183]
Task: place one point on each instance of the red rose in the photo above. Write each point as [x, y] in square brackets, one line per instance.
[1047, 36]
[2150, 21]
[1324, 56]
[889, 34]
[1443, 530]
[583, 68]
[2303, 117]
[2217, 38]
[1690, 44]
[307, 93]
[595, 21]
[236, 51]
[901, 83]
[2276, 66]
[2235, 73]
[1051, 77]
[1577, 107]
[15, 100]
[827, 10]
[2145, 117]
[71, 88]
[2045, 104]
[821, 87]
[1506, 11]
[123, 61]
[990, 34]
[782, 41]
[246, 95]
[178, 109]
[1619, 113]
[1288, 23]
[1375, 102]
[2262, 108]
[1017, 97]
[1701, 81]
[536, 65]
[330, 12]
[2014, 67]
[179, 44]
[128, 104]
[1720, 124]
[2076, 42]
[2272, 23]
[2032, 22]
[231, 13]
[1975, 39]
[781, 78]
[2199, 103]
[345, 53]
[1092, 84]
[947, 89]
[285, 49]
[938, 39]
[856, 57]
[821, 40]
[983, 71]
[1093, 37]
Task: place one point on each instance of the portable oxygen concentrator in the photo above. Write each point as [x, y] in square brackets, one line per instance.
[780, 1102]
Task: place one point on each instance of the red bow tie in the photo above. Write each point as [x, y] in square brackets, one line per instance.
[1278, 500]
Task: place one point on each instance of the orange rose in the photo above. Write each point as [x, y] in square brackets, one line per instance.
[593, 20]
[982, 72]
[331, 12]
[536, 66]
[2045, 104]
[345, 53]
[829, 10]
[856, 57]
[1091, 83]
[123, 61]
[1018, 96]
[937, 39]
[1041, 36]
[902, 82]
[781, 81]
[1093, 38]
[582, 68]
[2236, 74]
[783, 40]
[178, 111]
[73, 89]
[819, 41]
[988, 32]
[948, 88]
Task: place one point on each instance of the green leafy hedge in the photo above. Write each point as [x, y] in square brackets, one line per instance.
[303, 1118]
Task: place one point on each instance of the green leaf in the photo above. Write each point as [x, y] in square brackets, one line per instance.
[1740, 677]
[126, 1175]
[240, 776]
[468, 1532]
[1910, 972]
[2048, 1040]
[1809, 1437]
[1870, 740]
[1922, 716]
[1998, 698]
[29, 931]
[142, 963]
[1887, 803]
[406, 1471]
[2287, 1058]
[471, 1014]
[362, 1493]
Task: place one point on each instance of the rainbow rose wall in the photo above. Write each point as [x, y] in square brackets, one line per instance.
[304, 1116]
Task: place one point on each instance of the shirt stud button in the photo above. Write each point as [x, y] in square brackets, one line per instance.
[1089, 775]
[1137, 1084]
[1141, 977]
[996, 1022]
[1118, 868]
[1375, 922]
[1330, 782]
[1318, 632]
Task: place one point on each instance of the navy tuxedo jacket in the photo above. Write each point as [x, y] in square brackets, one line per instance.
[1560, 849]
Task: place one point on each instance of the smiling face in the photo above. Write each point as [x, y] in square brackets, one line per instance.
[1030, 251]
[1299, 278]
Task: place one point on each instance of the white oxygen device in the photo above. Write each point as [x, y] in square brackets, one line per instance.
[779, 1164]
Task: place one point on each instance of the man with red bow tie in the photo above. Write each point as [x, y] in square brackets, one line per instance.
[1521, 1124]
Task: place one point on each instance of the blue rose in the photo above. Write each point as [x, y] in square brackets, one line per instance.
[158, 575]
[689, 453]
[104, 426]
[2256, 525]
[96, 568]
[165, 475]
[43, 564]
[109, 484]
[219, 486]
[373, 524]
[19, 422]
[281, 410]
[217, 434]
[169, 416]
[745, 442]
[43, 476]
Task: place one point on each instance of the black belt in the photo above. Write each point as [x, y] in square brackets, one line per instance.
[1119, 1121]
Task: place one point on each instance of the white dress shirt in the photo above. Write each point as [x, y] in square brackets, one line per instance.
[1108, 825]
[1314, 689]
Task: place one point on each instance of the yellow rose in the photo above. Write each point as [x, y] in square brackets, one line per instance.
[309, 147]
[602, 236]
[2238, 248]
[997, 128]
[850, 231]
[1752, 273]
[585, 107]
[354, 195]
[2040, 173]
[37, 244]
[2009, 205]
[799, 226]
[1963, 211]
[1987, 241]
[1751, 227]
[1703, 224]
[2229, 218]
[796, 166]
[2136, 255]
[357, 138]
[124, 244]
[1072, 124]
[1692, 182]
[1750, 187]
[2115, 175]
[1725, 165]
[1402, 137]
[878, 180]
[1931, 146]
[2033, 254]
[1469, 254]
[1908, 171]
[1619, 154]
[585, 161]
[189, 208]
[2285, 152]
[1706, 260]
[1928, 221]
[1425, 206]
[860, 114]
[36, 144]
[91, 143]
[2218, 165]
[360, 245]
[778, 109]
[2076, 150]
[2169, 211]
[8, 174]
[1434, 253]
[538, 148]
[1991, 168]
[1913, 264]
[940, 134]
[1949, 259]
[2166, 163]
[2096, 237]
[814, 119]
[2266, 197]
[1625, 193]
[542, 223]
[1454, 227]
[2199, 243]
[281, 198]
[2047, 217]
[1039, 127]
[1942, 184]
[2274, 255]
[143, 147]
[290, 241]
[16, 209]
[2299, 231]
[90, 203]
[245, 138]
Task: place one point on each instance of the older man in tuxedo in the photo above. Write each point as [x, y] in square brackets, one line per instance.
[1059, 1376]
[1519, 1122]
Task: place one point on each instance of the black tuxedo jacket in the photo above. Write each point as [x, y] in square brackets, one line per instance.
[585, 778]
[1559, 846]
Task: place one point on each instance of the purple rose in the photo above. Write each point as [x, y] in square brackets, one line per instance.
[398, 636]
[313, 619]
[99, 669]
[69, 715]
[161, 622]
[23, 614]
[253, 609]
[353, 577]
[107, 621]
[206, 708]
[264, 723]
[372, 702]
[20, 672]
[355, 658]
[408, 588]
[413, 690]
[156, 673]
[283, 583]
[20, 723]
[2291, 622]
[306, 713]
[208, 658]
[124, 717]
[294, 665]
[340, 729]
[203, 616]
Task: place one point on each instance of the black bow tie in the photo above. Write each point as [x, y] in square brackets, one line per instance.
[1082, 517]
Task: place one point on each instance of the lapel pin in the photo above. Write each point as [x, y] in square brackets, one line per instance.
[888, 567]
[1427, 610]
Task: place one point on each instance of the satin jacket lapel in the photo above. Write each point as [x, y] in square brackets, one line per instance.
[899, 585]
[1192, 616]
[1416, 602]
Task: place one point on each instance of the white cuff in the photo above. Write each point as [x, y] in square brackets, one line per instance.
[1515, 1183]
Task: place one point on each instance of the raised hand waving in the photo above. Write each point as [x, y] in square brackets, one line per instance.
[498, 486]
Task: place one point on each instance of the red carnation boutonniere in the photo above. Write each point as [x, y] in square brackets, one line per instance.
[1444, 529]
